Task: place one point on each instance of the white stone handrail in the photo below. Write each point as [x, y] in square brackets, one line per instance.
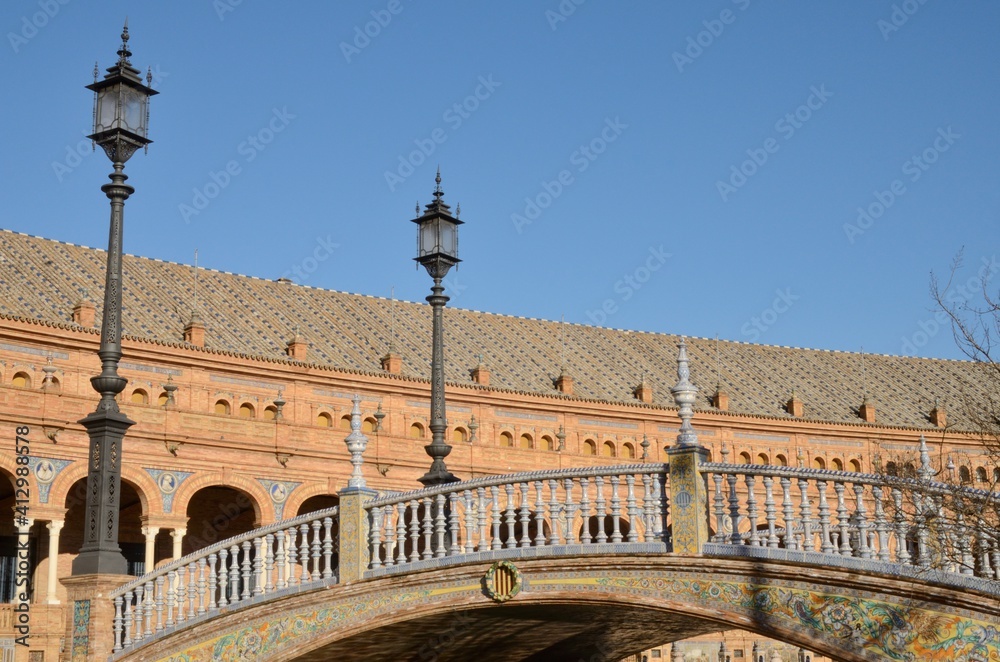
[599, 506]
[290, 554]
[908, 521]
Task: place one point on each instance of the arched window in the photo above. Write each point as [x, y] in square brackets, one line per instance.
[22, 380]
[837, 464]
[368, 425]
[818, 463]
[162, 399]
[506, 439]
[608, 449]
[981, 474]
[416, 431]
[345, 422]
[547, 443]
[628, 450]
[781, 460]
[763, 459]
[270, 412]
[139, 397]
[324, 420]
[855, 466]
[589, 447]
[247, 411]
[458, 435]
[222, 407]
[964, 475]
[745, 458]
[527, 442]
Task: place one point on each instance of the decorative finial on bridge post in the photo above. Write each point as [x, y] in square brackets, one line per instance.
[356, 443]
[684, 395]
[926, 471]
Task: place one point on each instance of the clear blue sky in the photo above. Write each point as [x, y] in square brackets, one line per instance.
[613, 119]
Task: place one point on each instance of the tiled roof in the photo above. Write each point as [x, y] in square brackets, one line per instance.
[42, 279]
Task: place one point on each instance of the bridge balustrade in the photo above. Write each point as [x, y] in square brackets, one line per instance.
[586, 508]
[912, 522]
[285, 556]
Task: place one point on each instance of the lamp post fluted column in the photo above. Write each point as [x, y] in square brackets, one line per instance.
[437, 251]
[437, 449]
[121, 116]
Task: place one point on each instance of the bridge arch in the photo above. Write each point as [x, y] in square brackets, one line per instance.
[574, 607]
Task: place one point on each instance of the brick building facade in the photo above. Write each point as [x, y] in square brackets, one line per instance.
[240, 389]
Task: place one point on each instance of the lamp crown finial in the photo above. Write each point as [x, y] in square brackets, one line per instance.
[124, 53]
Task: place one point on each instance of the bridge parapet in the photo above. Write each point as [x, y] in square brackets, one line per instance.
[287, 556]
[913, 522]
[586, 509]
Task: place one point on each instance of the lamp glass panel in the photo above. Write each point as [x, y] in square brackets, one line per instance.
[428, 238]
[134, 111]
[107, 109]
[449, 239]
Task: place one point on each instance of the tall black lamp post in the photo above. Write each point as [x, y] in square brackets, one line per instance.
[121, 116]
[437, 251]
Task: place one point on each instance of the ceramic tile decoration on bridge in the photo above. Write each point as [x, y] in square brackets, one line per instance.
[881, 529]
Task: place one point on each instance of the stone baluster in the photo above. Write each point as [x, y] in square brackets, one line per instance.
[946, 541]
[192, 591]
[554, 510]
[234, 573]
[223, 577]
[826, 544]
[258, 566]
[390, 538]
[601, 506]
[899, 519]
[967, 564]
[495, 518]
[182, 594]
[439, 526]
[881, 525]
[158, 605]
[734, 511]
[304, 552]
[720, 507]
[401, 533]
[279, 560]
[525, 516]
[268, 563]
[616, 510]
[454, 528]
[414, 530]
[293, 556]
[328, 569]
[805, 513]
[843, 523]
[649, 509]
[539, 515]
[483, 513]
[376, 538]
[660, 520]
[789, 514]
[470, 506]
[861, 516]
[995, 555]
[428, 528]
[632, 509]
[171, 597]
[245, 576]
[770, 513]
[585, 511]
[752, 509]
[316, 549]
[117, 625]
[129, 625]
[148, 608]
[923, 535]
[571, 507]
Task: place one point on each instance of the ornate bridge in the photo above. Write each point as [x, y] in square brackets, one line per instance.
[591, 564]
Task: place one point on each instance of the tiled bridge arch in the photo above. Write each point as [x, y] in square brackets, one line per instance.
[583, 606]
[612, 560]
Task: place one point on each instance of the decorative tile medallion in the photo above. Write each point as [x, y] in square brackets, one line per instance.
[46, 469]
[168, 482]
[503, 581]
[278, 490]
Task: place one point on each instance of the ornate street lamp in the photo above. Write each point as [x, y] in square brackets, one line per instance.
[121, 117]
[437, 251]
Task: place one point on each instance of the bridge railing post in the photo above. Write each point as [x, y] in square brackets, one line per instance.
[354, 551]
[688, 487]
